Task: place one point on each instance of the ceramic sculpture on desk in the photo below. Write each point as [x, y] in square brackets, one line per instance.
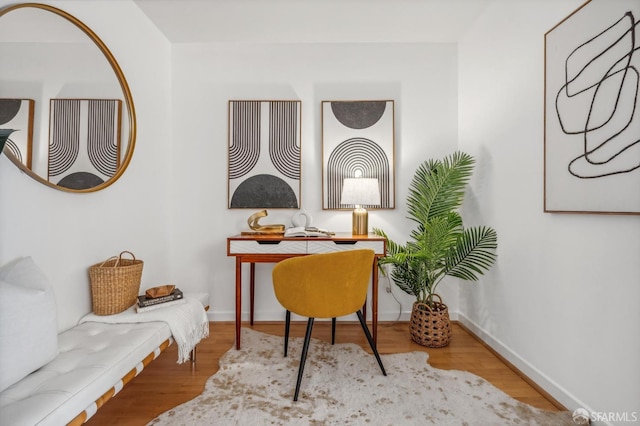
[302, 218]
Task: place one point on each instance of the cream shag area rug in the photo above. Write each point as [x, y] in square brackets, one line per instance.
[343, 385]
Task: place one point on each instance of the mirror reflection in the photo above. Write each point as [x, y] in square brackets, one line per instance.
[65, 96]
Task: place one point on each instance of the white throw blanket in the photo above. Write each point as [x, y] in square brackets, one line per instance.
[188, 323]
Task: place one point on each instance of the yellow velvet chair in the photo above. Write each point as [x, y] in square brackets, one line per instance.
[327, 285]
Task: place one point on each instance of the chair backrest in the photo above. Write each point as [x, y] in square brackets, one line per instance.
[326, 285]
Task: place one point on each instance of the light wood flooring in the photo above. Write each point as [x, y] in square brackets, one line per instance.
[165, 384]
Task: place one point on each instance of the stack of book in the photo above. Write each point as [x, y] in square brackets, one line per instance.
[147, 302]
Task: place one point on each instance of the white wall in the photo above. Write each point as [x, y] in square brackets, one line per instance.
[170, 206]
[421, 78]
[562, 302]
[65, 233]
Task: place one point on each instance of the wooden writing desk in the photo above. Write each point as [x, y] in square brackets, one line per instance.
[254, 249]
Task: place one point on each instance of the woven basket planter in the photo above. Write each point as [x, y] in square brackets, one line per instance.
[430, 326]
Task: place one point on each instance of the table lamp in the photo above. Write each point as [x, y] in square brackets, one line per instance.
[360, 192]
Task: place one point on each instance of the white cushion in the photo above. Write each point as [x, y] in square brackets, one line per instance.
[28, 322]
[93, 357]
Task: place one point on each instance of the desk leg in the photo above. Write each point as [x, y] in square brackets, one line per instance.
[252, 289]
[374, 300]
[238, 299]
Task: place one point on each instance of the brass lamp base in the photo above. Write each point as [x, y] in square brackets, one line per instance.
[360, 222]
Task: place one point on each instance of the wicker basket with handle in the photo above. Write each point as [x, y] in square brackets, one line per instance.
[430, 325]
[115, 284]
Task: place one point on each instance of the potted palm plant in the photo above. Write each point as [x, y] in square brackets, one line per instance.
[440, 245]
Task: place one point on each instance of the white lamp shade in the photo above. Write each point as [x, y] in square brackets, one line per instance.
[360, 191]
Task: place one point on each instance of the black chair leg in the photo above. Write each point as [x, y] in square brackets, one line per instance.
[287, 322]
[370, 339]
[303, 357]
[333, 330]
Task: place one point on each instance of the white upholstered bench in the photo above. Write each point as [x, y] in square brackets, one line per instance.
[93, 363]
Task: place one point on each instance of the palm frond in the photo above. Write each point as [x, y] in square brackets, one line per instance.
[407, 278]
[474, 253]
[393, 248]
[438, 186]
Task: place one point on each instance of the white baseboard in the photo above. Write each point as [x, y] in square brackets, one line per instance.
[279, 316]
[551, 387]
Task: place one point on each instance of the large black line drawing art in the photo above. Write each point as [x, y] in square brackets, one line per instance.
[592, 116]
[264, 154]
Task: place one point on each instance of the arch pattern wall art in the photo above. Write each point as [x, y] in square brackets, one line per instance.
[264, 154]
[357, 141]
[84, 141]
[592, 110]
[17, 114]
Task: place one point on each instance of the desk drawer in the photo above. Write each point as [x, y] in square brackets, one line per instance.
[267, 247]
[329, 246]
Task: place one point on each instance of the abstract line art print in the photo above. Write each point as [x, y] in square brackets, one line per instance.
[264, 154]
[17, 115]
[357, 141]
[592, 110]
[84, 141]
